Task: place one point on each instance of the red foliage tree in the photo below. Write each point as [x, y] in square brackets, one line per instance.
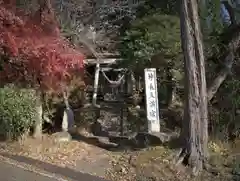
[38, 54]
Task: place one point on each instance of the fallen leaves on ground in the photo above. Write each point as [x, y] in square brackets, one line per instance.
[46, 150]
[151, 164]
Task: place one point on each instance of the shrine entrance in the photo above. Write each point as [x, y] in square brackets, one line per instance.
[113, 106]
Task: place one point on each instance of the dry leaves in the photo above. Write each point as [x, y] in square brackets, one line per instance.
[63, 154]
[153, 163]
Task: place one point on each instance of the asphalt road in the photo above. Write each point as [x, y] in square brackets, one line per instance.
[9, 172]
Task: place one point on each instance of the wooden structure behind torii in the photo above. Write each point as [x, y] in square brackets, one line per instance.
[105, 65]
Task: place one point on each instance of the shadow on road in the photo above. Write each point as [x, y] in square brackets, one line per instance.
[63, 171]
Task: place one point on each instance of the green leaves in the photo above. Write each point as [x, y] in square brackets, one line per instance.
[17, 111]
[151, 35]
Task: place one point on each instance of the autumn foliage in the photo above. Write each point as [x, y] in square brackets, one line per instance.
[37, 52]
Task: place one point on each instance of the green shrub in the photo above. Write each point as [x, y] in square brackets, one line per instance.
[17, 111]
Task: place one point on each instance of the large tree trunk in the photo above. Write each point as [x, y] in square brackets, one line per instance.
[195, 124]
[39, 119]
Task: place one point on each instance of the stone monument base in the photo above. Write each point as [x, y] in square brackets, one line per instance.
[62, 137]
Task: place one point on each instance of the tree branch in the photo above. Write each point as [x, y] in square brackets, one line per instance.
[231, 12]
[232, 48]
[212, 90]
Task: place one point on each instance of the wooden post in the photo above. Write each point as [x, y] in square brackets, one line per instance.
[95, 86]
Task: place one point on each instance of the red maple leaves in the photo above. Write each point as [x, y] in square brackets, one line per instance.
[39, 54]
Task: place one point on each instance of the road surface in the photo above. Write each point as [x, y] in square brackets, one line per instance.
[9, 172]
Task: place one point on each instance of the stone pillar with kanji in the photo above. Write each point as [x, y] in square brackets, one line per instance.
[151, 95]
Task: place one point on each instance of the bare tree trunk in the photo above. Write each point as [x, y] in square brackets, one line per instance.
[212, 90]
[231, 12]
[68, 121]
[128, 84]
[133, 82]
[39, 119]
[232, 48]
[171, 87]
[134, 89]
[195, 128]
